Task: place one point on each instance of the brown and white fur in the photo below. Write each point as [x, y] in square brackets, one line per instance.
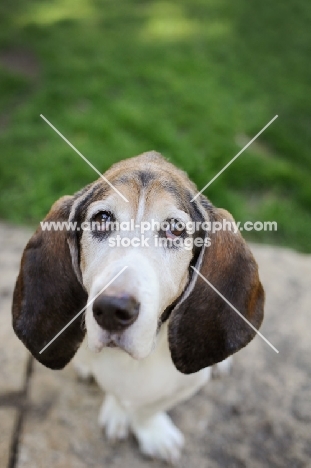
[163, 353]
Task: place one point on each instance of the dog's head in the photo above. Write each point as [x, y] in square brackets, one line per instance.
[62, 271]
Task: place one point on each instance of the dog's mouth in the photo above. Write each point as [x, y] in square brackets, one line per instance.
[111, 340]
[104, 339]
[111, 344]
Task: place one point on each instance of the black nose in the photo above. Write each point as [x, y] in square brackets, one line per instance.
[115, 313]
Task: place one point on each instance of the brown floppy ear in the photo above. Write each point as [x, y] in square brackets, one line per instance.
[48, 294]
[203, 328]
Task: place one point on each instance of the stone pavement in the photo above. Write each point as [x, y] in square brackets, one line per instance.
[259, 416]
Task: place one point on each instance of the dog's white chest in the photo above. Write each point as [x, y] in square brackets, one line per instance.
[139, 383]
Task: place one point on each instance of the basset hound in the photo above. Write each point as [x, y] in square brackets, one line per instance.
[150, 334]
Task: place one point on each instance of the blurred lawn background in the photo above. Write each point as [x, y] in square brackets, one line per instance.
[194, 80]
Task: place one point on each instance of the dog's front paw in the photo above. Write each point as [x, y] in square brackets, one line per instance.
[83, 371]
[113, 418]
[158, 437]
[223, 368]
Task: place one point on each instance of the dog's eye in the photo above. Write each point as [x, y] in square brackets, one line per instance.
[175, 229]
[102, 219]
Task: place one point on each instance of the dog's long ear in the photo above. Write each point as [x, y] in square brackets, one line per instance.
[203, 328]
[48, 294]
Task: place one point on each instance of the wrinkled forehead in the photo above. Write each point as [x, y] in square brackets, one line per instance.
[150, 191]
[150, 184]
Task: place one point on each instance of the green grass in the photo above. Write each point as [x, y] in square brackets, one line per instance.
[194, 80]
